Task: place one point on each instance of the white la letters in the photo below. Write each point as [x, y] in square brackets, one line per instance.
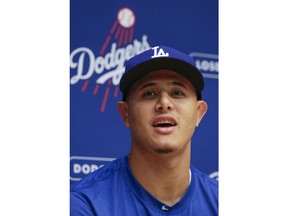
[160, 53]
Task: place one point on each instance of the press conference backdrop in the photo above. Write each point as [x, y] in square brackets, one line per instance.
[103, 35]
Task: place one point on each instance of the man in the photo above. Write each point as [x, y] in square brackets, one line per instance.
[162, 105]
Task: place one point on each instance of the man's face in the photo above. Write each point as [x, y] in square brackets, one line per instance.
[162, 112]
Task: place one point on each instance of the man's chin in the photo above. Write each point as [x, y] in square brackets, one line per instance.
[165, 150]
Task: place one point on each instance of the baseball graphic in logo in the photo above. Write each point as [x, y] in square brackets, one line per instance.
[126, 17]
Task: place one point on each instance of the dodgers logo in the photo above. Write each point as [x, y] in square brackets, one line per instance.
[81, 166]
[107, 68]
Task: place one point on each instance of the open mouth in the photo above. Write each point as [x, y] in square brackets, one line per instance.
[164, 124]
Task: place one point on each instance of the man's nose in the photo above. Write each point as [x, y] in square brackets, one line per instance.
[164, 103]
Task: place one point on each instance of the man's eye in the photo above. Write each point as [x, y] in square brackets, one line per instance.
[149, 94]
[177, 93]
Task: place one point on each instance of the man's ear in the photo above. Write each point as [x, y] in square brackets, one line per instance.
[123, 110]
[202, 109]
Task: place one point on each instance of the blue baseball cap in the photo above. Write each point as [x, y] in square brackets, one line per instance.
[157, 58]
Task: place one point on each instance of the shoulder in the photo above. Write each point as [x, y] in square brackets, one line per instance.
[98, 178]
[205, 194]
[95, 192]
[205, 181]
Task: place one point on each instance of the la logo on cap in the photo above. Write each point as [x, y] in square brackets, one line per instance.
[159, 53]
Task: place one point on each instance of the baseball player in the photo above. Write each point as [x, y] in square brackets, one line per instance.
[162, 106]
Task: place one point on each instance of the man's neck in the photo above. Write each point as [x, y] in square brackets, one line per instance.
[165, 176]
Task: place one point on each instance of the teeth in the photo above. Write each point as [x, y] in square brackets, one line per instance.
[166, 123]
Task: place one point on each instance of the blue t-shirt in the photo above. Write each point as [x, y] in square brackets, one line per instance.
[114, 191]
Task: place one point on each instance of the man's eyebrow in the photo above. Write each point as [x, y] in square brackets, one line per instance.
[176, 83]
[146, 85]
[173, 83]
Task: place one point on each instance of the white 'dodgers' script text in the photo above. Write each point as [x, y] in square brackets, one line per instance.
[112, 62]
